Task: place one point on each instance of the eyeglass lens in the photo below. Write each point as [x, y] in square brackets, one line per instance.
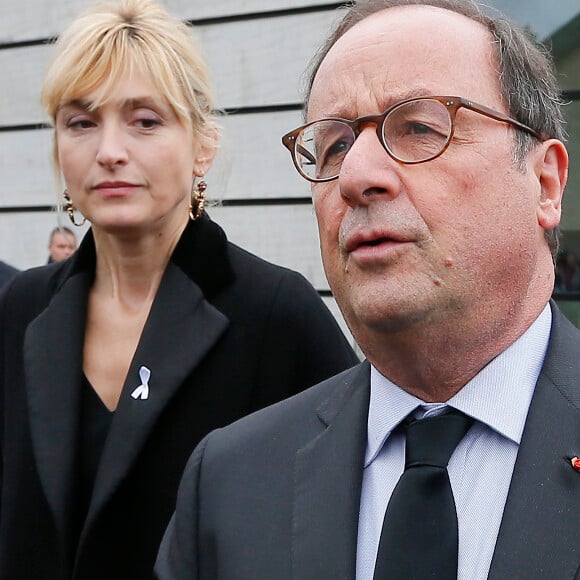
[411, 132]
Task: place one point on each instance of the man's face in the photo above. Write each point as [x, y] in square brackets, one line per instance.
[437, 242]
[62, 246]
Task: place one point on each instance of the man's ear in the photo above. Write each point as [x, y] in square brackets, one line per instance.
[552, 172]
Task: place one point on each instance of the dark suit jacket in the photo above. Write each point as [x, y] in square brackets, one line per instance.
[7, 272]
[227, 334]
[276, 495]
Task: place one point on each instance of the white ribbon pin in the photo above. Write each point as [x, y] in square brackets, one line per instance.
[142, 391]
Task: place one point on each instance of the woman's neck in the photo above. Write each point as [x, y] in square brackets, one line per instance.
[130, 267]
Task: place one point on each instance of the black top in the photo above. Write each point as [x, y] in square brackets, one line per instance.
[95, 422]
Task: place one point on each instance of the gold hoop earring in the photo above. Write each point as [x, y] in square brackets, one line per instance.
[70, 210]
[197, 201]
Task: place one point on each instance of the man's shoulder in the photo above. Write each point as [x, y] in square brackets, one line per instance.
[297, 418]
[31, 288]
[564, 338]
[562, 362]
[7, 272]
[7, 268]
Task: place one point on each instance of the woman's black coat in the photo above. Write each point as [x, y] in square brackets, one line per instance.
[227, 334]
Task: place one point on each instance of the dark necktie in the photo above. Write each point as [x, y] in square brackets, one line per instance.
[419, 537]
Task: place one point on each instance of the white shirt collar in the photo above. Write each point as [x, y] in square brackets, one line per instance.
[498, 396]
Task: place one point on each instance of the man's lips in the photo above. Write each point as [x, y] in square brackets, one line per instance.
[362, 241]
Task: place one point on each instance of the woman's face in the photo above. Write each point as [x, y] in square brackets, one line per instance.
[128, 165]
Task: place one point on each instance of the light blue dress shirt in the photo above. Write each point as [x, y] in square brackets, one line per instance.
[480, 469]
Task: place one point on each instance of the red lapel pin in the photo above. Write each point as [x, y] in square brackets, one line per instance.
[575, 463]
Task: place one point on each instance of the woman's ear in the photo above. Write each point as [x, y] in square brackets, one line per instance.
[552, 172]
[206, 150]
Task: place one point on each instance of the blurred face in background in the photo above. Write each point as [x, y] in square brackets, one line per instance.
[61, 246]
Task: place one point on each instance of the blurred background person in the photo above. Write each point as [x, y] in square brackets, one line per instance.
[115, 363]
[61, 244]
[7, 272]
[567, 272]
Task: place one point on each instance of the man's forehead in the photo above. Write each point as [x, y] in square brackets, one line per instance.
[438, 22]
[401, 50]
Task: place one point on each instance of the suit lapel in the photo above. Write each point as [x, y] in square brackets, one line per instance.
[182, 327]
[540, 530]
[328, 475]
[53, 367]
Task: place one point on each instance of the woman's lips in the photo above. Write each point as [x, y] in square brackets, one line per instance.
[115, 188]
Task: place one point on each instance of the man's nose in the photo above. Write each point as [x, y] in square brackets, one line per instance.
[368, 170]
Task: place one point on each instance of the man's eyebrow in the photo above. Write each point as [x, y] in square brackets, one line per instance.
[393, 98]
[388, 99]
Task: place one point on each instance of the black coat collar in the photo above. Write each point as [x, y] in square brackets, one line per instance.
[171, 345]
[202, 253]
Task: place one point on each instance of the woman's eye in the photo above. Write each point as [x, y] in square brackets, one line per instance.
[79, 123]
[144, 118]
[148, 123]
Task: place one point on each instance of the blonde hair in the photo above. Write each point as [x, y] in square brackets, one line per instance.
[107, 41]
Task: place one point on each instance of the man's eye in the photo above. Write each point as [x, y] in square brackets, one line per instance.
[419, 129]
[337, 148]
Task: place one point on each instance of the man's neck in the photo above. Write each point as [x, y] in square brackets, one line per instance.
[435, 364]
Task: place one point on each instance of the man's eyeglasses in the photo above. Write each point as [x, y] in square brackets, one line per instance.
[411, 131]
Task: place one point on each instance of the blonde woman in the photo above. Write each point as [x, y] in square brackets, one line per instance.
[117, 361]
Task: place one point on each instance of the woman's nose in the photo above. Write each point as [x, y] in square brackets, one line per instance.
[112, 149]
